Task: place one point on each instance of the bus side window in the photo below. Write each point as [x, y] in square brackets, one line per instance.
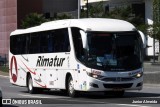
[34, 43]
[50, 42]
[60, 40]
[66, 44]
[77, 40]
[43, 42]
[18, 44]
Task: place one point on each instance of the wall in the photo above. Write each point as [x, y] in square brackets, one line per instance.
[8, 23]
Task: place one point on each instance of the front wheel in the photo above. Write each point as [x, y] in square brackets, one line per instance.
[71, 91]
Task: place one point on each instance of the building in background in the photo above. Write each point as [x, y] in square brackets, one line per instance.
[52, 7]
[8, 23]
[144, 8]
[12, 12]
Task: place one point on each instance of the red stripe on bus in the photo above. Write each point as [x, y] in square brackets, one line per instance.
[30, 70]
[43, 86]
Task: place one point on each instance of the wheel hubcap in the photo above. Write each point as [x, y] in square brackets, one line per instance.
[30, 84]
[71, 86]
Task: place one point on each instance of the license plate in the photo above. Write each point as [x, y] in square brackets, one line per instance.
[117, 89]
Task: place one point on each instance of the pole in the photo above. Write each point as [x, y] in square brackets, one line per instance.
[79, 8]
[154, 48]
[87, 9]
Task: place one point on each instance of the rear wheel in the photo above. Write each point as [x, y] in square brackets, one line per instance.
[71, 91]
[30, 87]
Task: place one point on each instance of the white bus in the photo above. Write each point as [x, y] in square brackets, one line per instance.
[76, 55]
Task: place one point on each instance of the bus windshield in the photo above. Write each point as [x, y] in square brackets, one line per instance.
[119, 51]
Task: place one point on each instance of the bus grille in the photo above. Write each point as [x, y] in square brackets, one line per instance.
[117, 79]
[128, 85]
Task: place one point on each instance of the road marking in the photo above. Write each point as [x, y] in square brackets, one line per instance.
[94, 102]
[14, 86]
[151, 72]
[4, 76]
[151, 85]
[131, 105]
[33, 96]
[62, 99]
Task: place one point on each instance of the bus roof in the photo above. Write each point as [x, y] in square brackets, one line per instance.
[87, 24]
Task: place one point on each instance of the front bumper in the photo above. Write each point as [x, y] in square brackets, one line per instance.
[98, 85]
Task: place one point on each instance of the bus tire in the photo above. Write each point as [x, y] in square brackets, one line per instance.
[1, 102]
[71, 91]
[30, 87]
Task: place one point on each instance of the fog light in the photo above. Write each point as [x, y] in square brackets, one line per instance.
[93, 85]
[139, 84]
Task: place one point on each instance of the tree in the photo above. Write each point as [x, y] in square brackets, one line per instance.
[97, 10]
[155, 28]
[62, 16]
[155, 32]
[33, 19]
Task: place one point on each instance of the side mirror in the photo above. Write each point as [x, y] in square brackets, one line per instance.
[143, 39]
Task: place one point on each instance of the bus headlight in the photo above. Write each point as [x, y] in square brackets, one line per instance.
[96, 76]
[138, 75]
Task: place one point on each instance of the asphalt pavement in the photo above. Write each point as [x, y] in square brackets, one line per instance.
[151, 73]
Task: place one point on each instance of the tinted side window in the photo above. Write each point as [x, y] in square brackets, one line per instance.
[34, 43]
[18, 44]
[43, 40]
[40, 42]
[77, 40]
[60, 40]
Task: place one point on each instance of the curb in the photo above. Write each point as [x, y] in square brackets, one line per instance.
[156, 63]
[152, 63]
[4, 76]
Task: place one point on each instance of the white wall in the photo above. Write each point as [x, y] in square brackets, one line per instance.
[91, 1]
